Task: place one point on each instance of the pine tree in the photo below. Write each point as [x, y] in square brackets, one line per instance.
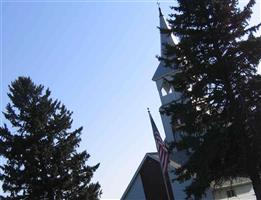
[40, 149]
[216, 60]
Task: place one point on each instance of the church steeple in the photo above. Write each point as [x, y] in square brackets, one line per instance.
[160, 13]
[165, 38]
[164, 74]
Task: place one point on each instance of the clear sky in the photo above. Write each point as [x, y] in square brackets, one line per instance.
[98, 58]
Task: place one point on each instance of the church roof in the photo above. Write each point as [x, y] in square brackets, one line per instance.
[161, 71]
[154, 155]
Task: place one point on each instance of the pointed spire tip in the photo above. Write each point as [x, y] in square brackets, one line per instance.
[160, 13]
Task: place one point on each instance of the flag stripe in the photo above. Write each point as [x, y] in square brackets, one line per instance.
[161, 147]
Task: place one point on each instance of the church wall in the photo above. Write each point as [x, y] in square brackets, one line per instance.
[243, 192]
[136, 190]
[148, 184]
[178, 189]
[152, 180]
[166, 120]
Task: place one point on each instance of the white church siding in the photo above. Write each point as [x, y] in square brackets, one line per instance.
[178, 189]
[147, 182]
[167, 129]
[136, 191]
[243, 192]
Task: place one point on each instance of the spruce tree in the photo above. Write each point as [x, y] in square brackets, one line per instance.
[40, 149]
[219, 111]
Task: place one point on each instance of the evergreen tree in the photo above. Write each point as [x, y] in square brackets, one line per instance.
[219, 111]
[40, 150]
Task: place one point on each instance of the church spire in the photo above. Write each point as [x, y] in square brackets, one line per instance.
[160, 13]
[165, 38]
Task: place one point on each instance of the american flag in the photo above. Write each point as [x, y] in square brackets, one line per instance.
[161, 147]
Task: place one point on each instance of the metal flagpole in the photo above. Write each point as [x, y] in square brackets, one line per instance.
[169, 194]
[163, 157]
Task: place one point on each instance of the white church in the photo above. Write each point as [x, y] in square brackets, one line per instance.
[147, 182]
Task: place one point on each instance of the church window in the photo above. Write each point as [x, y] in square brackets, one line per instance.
[231, 193]
[171, 90]
[166, 88]
[163, 92]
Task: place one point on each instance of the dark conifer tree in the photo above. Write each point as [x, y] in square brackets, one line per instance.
[219, 111]
[40, 149]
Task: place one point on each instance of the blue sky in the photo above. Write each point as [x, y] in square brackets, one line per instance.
[98, 58]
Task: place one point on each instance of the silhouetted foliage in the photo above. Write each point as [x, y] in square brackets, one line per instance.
[40, 150]
[216, 60]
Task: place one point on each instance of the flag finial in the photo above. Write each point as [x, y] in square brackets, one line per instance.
[148, 109]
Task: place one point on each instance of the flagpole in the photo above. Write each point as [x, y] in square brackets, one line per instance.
[165, 175]
[166, 186]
